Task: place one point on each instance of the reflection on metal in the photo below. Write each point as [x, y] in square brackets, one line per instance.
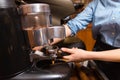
[59, 9]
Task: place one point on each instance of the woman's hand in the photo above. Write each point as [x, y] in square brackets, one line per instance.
[75, 54]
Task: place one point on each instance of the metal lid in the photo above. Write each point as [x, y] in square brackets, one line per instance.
[34, 8]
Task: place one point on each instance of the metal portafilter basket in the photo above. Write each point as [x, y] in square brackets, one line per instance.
[52, 53]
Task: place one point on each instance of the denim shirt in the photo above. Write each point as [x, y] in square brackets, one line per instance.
[105, 18]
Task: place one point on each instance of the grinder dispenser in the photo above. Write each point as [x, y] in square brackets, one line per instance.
[36, 19]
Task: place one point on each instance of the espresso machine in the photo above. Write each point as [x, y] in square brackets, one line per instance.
[34, 23]
[23, 28]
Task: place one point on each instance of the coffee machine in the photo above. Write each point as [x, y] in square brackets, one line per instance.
[16, 42]
[18, 36]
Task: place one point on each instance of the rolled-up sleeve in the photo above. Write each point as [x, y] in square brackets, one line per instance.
[83, 18]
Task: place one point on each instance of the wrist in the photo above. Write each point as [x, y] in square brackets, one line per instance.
[68, 31]
[90, 55]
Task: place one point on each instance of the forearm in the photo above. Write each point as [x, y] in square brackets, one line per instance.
[110, 55]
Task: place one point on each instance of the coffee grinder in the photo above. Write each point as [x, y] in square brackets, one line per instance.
[36, 20]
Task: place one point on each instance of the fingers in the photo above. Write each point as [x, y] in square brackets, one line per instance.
[37, 48]
[67, 58]
[70, 51]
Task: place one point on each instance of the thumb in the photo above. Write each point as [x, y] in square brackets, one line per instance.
[67, 58]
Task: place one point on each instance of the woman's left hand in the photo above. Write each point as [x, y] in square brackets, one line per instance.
[75, 54]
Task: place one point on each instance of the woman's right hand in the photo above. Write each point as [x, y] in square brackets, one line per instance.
[37, 48]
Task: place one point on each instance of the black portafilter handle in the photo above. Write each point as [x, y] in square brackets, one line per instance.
[47, 53]
[59, 53]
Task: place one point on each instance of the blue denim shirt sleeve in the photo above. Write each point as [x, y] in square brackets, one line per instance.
[83, 18]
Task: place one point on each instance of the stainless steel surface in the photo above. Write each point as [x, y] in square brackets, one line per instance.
[52, 51]
[36, 21]
[36, 18]
[59, 9]
[34, 8]
[56, 32]
[40, 36]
